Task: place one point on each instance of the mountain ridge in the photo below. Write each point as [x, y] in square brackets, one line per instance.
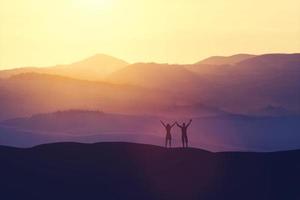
[92, 68]
[225, 60]
[165, 86]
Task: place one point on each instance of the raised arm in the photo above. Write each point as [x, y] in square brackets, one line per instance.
[178, 124]
[189, 123]
[163, 123]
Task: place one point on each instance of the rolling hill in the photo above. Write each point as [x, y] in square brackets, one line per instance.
[265, 85]
[254, 84]
[31, 93]
[153, 75]
[135, 171]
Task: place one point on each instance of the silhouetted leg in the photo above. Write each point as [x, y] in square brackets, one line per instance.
[166, 142]
[186, 142]
[182, 139]
[170, 143]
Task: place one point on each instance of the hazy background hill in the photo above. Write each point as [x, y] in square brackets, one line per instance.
[93, 68]
[254, 84]
[223, 60]
[27, 94]
[30, 93]
[265, 85]
[246, 87]
[251, 103]
[153, 75]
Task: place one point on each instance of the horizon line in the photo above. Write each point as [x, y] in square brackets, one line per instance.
[3, 68]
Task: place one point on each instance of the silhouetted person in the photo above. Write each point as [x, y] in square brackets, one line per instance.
[168, 135]
[184, 137]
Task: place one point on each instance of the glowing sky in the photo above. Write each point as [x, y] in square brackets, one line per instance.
[48, 32]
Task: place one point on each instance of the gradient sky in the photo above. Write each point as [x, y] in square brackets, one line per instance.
[48, 32]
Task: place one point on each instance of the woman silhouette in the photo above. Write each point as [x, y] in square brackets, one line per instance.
[168, 133]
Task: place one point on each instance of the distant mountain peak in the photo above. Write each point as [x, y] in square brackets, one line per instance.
[101, 58]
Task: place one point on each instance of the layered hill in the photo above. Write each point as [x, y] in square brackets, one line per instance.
[153, 75]
[133, 171]
[225, 60]
[254, 84]
[31, 93]
[265, 85]
[93, 68]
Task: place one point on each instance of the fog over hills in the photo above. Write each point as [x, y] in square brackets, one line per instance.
[250, 87]
[27, 94]
[153, 75]
[252, 104]
[226, 132]
[254, 84]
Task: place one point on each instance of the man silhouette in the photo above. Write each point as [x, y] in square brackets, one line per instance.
[168, 133]
[184, 137]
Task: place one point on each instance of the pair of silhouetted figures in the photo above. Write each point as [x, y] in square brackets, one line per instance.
[183, 127]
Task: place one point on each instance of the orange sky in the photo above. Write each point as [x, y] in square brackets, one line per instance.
[43, 32]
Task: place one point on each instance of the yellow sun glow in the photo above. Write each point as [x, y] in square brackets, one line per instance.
[94, 4]
[46, 33]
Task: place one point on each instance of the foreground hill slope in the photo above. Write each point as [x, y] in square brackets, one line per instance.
[135, 171]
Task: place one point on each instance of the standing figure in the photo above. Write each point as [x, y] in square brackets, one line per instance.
[184, 137]
[168, 135]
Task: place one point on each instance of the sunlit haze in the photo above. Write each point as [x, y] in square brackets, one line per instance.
[44, 33]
